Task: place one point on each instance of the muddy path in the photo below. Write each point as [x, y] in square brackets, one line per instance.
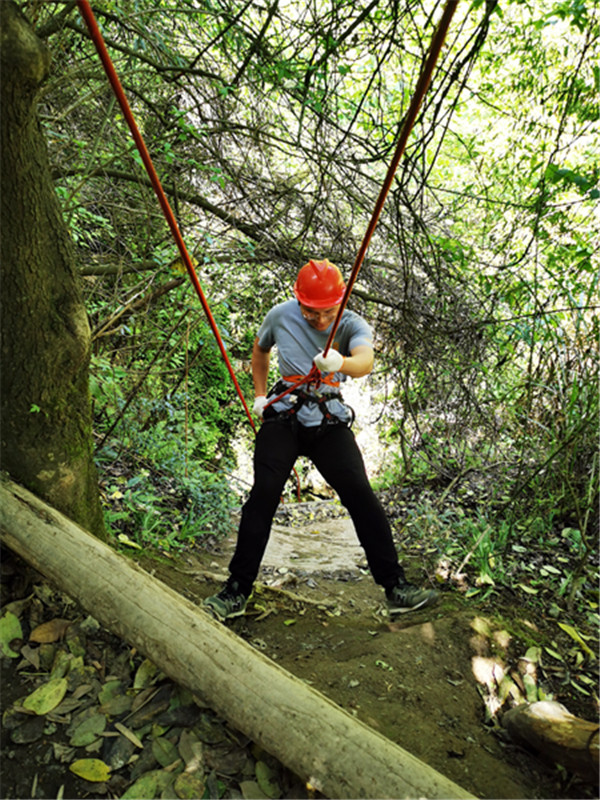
[429, 680]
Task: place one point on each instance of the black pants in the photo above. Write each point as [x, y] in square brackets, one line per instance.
[335, 454]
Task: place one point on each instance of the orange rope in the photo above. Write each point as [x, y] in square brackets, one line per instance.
[90, 20]
[420, 91]
[314, 376]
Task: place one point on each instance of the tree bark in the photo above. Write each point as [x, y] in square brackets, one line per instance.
[46, 440]
[318, 741]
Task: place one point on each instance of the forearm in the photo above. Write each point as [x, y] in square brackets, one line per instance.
[358, 363]
[260, 368]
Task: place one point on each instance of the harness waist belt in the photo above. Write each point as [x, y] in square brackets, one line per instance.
[328, 379]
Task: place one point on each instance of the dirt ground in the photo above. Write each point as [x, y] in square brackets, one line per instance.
[428, 680]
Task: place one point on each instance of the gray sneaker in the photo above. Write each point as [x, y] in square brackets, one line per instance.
[228, 603]
[405, 597]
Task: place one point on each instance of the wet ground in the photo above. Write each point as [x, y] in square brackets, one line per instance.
[429, 680]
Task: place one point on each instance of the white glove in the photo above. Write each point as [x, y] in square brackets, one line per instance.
[332, 362]
[260, 401]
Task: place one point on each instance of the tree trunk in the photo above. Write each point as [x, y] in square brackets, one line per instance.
[46, 440]
[318, 741]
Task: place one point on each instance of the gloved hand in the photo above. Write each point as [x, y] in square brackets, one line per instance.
[260, 401]
[332, 362]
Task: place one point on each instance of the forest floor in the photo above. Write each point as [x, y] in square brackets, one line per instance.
[430, 680]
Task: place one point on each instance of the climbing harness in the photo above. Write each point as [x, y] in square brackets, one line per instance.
[300, 397]
[314, 377]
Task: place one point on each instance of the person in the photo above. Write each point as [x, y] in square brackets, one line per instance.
[313, 421]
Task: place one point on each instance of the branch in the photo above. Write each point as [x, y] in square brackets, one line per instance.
[140, 57]
[106, 328]
[252, 231]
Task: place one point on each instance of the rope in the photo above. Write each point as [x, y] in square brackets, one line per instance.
[314, 376]
[420, 91]
[96, 35]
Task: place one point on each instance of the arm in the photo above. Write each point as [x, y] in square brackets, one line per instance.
[260, 368]
[359, 362]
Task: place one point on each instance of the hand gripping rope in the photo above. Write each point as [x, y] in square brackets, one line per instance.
[314, 376]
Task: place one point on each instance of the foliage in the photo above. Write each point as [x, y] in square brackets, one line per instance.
[171, 422]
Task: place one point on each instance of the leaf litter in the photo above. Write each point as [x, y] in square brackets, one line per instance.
[119, 727]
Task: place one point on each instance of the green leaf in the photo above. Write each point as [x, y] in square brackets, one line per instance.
[533, 654]
[111, 689]
[88, 731]
[91, 769]
[266, 780]
[146, 675]
[10, 629]
[252, 791]
[144, 788]
[46, 697]
[553, 653]
[577, 637]
[527, 589]
[124, 539]
[189, 787]
[164, 751]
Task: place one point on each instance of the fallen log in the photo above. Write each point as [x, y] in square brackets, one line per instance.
[557, 735]
[337, 754]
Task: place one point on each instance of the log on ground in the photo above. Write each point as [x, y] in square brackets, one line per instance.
[303, 729]
[557, 735]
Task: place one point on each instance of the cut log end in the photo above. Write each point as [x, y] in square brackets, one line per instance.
[557, 735]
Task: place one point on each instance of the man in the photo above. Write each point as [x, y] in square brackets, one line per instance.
[314, 422]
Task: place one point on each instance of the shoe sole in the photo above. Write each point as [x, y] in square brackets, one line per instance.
[406, 610]
[215, 614]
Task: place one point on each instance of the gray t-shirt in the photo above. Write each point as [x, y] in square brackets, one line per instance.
[298, 343]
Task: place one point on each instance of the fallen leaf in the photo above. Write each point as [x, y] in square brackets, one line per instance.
[48, 632]
[252, 791]
[116, 705]
[191, 751]
[88, 730]
[32, 655]
[145, 787]
[110, 689]
[266, 780]
[91, 769]
[30, 731]
[118, 752]
[10, 630]
[46, 697]
[164, 751]
[189, 787]
[128, 734]
[145, 674]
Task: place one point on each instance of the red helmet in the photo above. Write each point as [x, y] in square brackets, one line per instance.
[319, 285]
